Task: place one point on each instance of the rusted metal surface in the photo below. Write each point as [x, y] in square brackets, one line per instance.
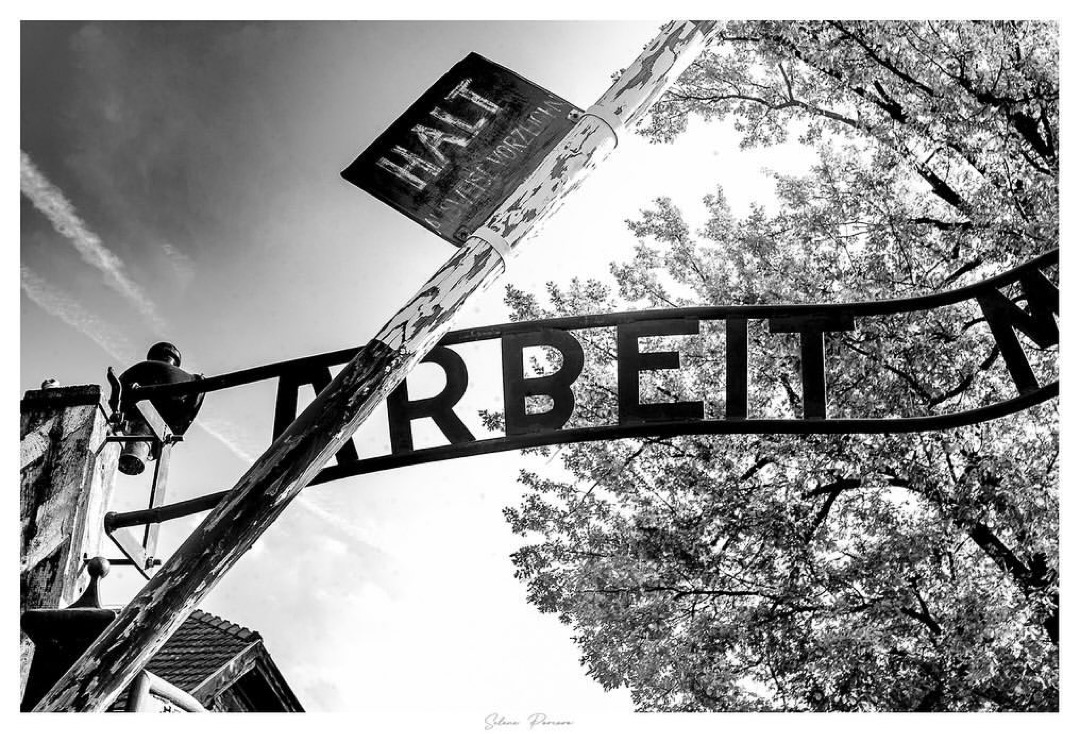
[298, 454]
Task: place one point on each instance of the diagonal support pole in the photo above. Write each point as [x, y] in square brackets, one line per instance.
[298, 454]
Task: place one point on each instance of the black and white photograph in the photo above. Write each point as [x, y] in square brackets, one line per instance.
[480, 375]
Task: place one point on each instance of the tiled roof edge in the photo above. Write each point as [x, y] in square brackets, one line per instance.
[242, 633]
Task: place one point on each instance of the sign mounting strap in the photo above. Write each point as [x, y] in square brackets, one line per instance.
[497, 241]
[612, 121]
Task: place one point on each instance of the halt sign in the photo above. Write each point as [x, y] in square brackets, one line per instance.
[460, 150]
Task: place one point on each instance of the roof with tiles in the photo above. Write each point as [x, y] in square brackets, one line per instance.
[203, 644]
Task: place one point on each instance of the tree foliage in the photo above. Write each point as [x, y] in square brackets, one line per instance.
[862, 572]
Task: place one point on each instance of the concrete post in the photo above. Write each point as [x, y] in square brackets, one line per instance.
[66, 473]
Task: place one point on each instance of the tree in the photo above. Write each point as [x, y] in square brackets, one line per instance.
[862, 572]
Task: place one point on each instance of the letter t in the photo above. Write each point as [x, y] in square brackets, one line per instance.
[812, 329]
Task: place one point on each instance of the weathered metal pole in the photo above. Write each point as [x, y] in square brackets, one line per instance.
[319, 432]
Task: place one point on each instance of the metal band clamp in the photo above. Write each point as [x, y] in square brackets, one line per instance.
[612, 121]
[497, 241]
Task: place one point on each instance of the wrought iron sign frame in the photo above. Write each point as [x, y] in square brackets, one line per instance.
[526, 430]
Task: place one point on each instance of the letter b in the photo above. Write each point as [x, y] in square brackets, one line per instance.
[557, 385]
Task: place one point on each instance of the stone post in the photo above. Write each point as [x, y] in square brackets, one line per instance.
[66, 473]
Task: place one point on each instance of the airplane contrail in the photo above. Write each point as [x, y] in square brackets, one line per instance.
[231, 436]
[51, 202]
[57, 303]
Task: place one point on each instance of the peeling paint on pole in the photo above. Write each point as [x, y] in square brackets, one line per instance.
[294, 458]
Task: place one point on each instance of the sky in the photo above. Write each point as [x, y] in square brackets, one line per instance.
[180, 181]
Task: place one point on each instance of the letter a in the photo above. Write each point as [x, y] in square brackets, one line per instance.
[413, 163]
[288, 395]
[433, 140]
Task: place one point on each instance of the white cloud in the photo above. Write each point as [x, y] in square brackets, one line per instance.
[51, 202]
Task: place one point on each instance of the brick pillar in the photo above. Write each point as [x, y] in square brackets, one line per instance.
[65, 484]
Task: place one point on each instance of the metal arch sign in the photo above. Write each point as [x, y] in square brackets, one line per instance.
[523, 429]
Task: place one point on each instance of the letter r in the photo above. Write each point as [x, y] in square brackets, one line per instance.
[401, 411]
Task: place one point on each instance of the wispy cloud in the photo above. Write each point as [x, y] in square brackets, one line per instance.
[180, 263]
[51, 202]
[229, 435]
[236, 439]
[347, 529]
[57, 303]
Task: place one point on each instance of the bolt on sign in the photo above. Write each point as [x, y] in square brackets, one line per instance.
[463, 147]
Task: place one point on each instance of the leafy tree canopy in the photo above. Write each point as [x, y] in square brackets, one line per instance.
[864, 572]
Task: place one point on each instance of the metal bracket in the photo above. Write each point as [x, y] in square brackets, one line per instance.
[141, 554]
[160, 433]
[131, 548]
[157, 497]
[114, 396]
[154, 420]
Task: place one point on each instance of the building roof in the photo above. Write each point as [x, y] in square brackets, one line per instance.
[223, 665]
[203, 645]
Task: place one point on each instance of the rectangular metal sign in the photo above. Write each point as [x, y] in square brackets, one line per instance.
[462, 148]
